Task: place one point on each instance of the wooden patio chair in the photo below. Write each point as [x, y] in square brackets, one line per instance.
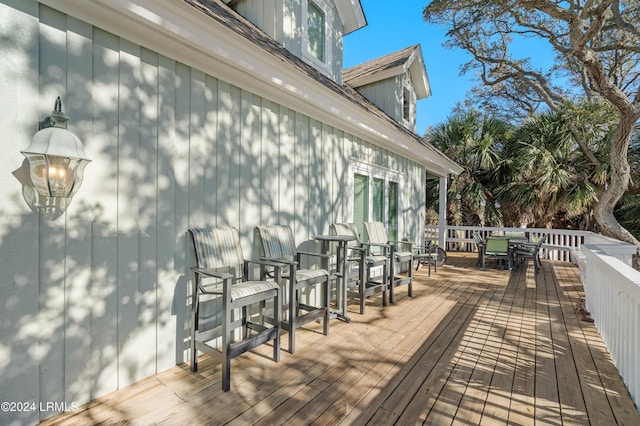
[496, 248]
[377, 237]
[361, 281]
[528, 251]
[220, 262]
[278, 245]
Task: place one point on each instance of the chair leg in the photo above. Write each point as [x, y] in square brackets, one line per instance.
[363, 287]
[325, 305]
[390, 279]
[194, 325]
[277, 323]
[226, 345]
[293, 296]
[410, 273]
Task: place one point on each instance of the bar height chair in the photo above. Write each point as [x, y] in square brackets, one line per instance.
[278, 245]
[377, 237]
[220, 262]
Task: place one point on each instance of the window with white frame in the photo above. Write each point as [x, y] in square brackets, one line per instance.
[376, 198]
[317, 18]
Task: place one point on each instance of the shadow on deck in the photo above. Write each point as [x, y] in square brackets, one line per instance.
[471, 347]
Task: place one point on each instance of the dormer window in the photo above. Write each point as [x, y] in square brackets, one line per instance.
[406, 104]
[316, 31]
[316, 44]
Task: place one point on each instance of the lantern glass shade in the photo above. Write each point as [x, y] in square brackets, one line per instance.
[56, 162]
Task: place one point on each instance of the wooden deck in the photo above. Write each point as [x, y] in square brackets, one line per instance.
[472, 347]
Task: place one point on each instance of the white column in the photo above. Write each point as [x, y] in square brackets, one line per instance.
[442, 221]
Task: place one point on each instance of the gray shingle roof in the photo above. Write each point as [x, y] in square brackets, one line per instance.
[375, 66]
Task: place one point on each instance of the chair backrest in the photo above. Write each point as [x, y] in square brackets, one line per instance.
[346, 229]
[515, 234]
[277, 241]
[376, 233]
[478, 238]
[497, 246]
[218, 248]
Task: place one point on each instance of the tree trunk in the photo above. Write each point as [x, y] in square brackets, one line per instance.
[620, 178]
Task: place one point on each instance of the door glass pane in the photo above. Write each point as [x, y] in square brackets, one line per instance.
[378, 200]
[360, 201]
[392, 217]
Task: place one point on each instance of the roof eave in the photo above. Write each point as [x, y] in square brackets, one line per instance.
[351, 14]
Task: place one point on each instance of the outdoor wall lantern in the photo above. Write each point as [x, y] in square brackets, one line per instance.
[56, 164]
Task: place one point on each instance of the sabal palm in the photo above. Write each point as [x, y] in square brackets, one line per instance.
[475, 143]
[551, 180]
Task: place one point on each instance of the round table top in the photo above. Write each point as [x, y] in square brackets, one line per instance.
[334, 237]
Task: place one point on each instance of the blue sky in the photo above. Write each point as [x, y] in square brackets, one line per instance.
[392, 26]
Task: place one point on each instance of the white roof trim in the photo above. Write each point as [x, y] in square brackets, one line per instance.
[179, 31]
[352, 15]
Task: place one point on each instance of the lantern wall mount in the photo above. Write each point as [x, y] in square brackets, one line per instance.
[56, 160]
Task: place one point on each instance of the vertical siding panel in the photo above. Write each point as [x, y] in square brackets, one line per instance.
[210, 128]
[129, 171]
[19, 262]
[250, 166]
[168, 347]
[303, 193]
[197, 150]
[228, 195]
[181, 212]
[78, 303]
[316, 179]
[51, 314]
[270, 179]
[287, 200]
[148, 211]
[104, 263]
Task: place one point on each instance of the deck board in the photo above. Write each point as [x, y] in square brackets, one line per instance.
[471, 347]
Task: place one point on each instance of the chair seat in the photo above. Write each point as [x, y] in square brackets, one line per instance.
[403, 254]
[374, 259]
[250, 288]
[308, 274]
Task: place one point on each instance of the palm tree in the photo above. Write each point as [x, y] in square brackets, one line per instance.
[476, 143]
[551, 184]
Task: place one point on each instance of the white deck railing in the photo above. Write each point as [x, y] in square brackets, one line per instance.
[612, 290]
[561, 244]
[611, 286]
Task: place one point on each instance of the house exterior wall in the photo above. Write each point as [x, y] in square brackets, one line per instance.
[97, 299]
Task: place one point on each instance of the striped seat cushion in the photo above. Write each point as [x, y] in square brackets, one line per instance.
[307, 274]
[372, 259]
[249, 288]
[403, 254]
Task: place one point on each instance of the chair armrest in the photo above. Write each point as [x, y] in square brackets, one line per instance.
[265, 262]
[376, 244]
[212, 273]
[280, 261]
[309, 253]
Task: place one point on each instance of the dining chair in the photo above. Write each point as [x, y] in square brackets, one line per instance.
[221, 277]
[528, 251]
[496, 247]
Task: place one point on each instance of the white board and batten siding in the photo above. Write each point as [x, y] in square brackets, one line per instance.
[96, 299]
